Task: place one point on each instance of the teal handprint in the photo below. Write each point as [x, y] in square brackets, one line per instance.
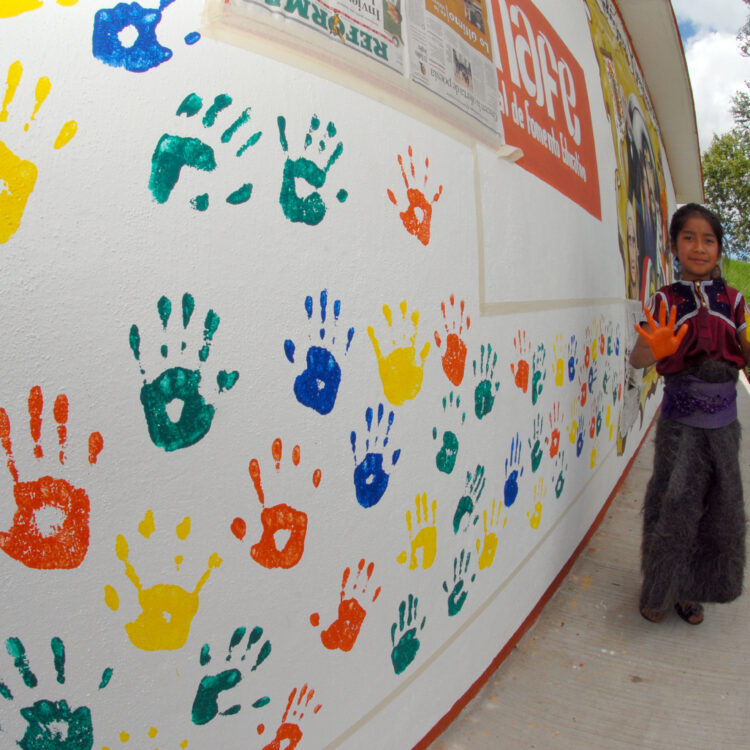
[486, 389]
[174, 152]
[179, 384]
[472, 492]
[457, 595]
[404, 652]
[538, 373]
[445, 460]
[51, 725]
[206, 701]
[311, 209]
[535, 443]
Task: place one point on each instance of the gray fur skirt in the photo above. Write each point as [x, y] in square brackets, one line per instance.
[693, 546]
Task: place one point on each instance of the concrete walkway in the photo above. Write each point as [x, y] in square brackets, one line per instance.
[592, 673]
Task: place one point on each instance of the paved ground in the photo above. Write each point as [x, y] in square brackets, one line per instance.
[592, 673]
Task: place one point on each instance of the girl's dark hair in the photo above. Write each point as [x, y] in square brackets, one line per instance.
[683, 213]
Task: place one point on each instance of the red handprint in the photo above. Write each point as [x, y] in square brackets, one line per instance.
[343, 632]
[278, 518]
[555, 420]
[454, 356]
[521, 370]
[417, 217]
[289, 731]
[51, 525]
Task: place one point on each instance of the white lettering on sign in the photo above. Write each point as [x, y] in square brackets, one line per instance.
[534, 64]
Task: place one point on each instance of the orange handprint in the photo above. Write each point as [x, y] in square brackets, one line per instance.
[521, 370]
[454, 356]
[555, 423]
[289, 731]
[51, 526]
[278, 518]
[662, 338]
[343, 632]
[418, 215]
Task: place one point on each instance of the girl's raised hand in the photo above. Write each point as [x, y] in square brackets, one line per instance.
[662, 338]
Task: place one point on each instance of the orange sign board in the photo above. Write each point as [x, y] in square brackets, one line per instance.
[544, 103]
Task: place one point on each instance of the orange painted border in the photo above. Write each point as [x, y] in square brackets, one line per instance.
[533, 616]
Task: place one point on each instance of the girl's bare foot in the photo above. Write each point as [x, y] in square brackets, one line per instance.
[652, 615]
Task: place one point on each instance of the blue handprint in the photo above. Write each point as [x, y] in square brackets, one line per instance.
[457, 595]
[572, 359]
[370, 478]
[579, 439]
[473, 491]
[318, 384]
[513, 472]
[145, 52]
[311, 209]
[179, 384]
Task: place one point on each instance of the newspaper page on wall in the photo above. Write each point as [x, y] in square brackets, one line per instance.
[372, 27]
[450, 53]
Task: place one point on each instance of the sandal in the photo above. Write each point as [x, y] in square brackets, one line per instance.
[652, 615]
[691, 612]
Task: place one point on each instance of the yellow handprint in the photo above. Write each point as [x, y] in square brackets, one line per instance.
[487, 546]
[540, 492]
[10, 8]
[17, 175]
[559, 352]
[425, 538]
[168, 609]
[400, 372]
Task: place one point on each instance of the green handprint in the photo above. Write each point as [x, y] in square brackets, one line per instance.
[311, 209]
[51, 725]
[179, 384]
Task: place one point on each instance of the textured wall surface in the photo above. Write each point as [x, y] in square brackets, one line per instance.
[304, 402]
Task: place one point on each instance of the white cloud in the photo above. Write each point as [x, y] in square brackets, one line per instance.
[717, 72]
[726, 16]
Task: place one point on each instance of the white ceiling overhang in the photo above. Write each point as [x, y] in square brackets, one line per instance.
[653, 31]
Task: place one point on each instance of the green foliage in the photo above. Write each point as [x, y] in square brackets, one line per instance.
[737, 274]
[726, 169]
[726, 175]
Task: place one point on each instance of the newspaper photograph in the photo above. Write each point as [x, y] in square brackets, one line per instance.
[372, 27]
[450, 53]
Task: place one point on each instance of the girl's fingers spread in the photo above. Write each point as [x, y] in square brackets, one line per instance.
[640, 330]
[672, 317]
[662, 316]
[682, 333]
[650, 318]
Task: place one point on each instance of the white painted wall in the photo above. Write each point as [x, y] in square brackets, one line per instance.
[92, 255]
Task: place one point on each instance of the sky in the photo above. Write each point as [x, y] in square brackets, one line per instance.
[717, 68]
